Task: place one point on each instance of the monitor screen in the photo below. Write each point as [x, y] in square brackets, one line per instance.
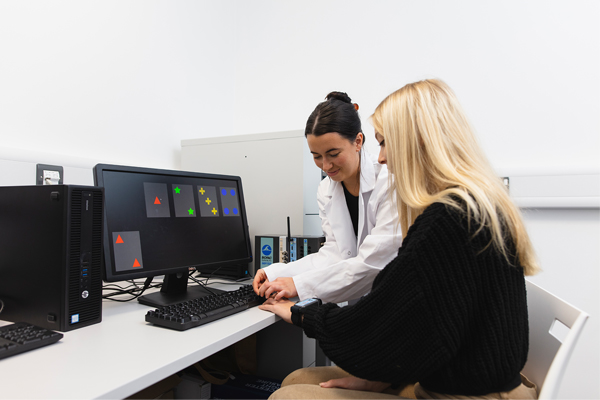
[164, 222]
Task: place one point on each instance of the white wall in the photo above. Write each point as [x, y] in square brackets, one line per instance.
[566, 241]
[116, 81]
[525, 71]
[126, 81]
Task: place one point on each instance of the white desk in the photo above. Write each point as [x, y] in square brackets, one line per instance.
[119, 356]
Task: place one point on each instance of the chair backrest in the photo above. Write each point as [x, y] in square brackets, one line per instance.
[554, 327]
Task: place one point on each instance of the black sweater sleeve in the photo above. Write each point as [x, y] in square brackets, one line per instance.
[424, 318]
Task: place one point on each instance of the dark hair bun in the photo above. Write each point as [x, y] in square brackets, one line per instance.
[341, 96]
[336, 114]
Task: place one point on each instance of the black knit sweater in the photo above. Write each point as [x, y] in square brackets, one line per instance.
[448, 312]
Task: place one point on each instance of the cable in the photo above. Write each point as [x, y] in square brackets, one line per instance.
[1, 305]
[250, 276]
[203, 284]
[212, 273]
[133, 289]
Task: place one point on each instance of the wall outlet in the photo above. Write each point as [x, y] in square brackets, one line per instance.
[48, 174]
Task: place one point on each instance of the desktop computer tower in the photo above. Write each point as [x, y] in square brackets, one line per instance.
[51, 255]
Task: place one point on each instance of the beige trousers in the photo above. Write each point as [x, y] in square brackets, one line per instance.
[304, 384]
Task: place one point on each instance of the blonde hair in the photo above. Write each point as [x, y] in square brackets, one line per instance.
[434, 156]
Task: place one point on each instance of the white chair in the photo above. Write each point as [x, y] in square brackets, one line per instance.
[549, 321]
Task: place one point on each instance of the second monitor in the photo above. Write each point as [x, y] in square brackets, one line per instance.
[164, 222]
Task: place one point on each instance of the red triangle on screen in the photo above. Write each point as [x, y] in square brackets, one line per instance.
[157, 201]
[119, 240]
[136, 263]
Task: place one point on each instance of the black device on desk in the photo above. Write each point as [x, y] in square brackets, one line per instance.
[51, 255]
[268, 248]
[165, 222]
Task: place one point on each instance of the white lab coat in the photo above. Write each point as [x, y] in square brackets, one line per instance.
[344, 268]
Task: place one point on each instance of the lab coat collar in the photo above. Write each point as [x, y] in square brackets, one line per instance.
[367, 172]
[367, 175]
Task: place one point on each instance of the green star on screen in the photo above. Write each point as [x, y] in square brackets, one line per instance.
[191, 211]
[177, 190]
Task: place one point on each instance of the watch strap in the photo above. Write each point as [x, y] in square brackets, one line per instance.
[298, 310]
[296, 317]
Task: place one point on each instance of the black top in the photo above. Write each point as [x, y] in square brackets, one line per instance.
[447, 312]
[352, 203]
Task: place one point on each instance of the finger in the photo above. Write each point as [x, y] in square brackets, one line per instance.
[274, 288]
[268, 305]
[282, 294]
[329, 384]
[263, 288]
[344, 383]
[269, 292]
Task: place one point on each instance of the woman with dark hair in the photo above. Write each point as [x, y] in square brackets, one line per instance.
[357, 218]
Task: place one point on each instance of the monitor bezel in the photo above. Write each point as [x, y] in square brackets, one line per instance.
[108, 275]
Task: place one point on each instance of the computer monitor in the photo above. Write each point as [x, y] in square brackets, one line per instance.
[165, 222]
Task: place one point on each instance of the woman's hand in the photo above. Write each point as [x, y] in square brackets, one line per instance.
[280, 308]
[259, 279]
[280, 288]
[354, 383]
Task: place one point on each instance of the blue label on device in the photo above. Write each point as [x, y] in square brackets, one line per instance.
[293, 250]
[266, 252]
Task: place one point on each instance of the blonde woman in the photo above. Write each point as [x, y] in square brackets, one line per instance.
[449, 313]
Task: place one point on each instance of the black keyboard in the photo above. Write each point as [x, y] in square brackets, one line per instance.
[22, 336]
[192, 313]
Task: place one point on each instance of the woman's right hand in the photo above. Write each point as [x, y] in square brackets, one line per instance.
[259, 279]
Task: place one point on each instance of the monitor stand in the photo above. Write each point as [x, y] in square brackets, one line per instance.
[175, 289]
